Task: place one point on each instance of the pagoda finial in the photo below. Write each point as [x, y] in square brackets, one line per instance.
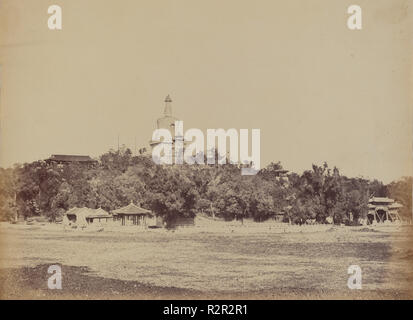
[168, 98]
[168, 107]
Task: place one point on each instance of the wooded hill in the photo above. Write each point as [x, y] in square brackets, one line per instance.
[49, 189]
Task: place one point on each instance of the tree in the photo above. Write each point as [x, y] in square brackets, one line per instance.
[174, 191]
[7, 194]
[401, 191]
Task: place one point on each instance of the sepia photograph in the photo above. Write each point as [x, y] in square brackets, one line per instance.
[206, 150]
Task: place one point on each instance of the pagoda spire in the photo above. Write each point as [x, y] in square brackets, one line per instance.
[168, 106]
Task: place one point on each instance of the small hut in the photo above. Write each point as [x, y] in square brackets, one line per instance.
[98, 215]
[134, 215]
[84, 216]
[76, 217]
[70, 215]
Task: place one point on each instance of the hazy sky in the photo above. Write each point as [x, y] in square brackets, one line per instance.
[318, 91]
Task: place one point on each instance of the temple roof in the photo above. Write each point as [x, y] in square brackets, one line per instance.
[395, 205]
[381, 200]
[70, 158]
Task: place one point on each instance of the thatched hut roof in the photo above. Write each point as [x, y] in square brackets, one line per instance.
[88, 212]
[98, 213]
[72, 211]
[132, 209]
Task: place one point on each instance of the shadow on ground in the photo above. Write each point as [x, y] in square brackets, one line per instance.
[81, 283]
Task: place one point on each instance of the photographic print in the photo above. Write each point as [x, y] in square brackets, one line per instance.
[192, 150]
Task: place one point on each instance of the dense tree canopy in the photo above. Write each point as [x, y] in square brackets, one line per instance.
[319, 194]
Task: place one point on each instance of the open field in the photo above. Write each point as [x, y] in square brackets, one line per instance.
[193, 263]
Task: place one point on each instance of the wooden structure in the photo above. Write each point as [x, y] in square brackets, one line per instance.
[71, 214]
[67, 158]
[134, 215]
[98, 215]
[382, 210]
[84, 216]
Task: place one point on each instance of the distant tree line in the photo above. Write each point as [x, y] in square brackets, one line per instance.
[316, 195]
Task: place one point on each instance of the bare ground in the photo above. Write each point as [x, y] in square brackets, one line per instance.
[203, 265]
